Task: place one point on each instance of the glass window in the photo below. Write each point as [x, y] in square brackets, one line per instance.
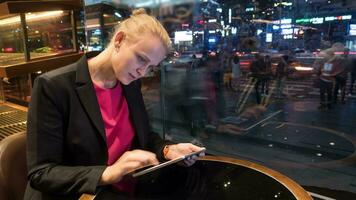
[11, 41]
[247, 79]
[49, 33]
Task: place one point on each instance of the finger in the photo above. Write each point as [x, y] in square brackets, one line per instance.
[194, 148]
[153, 160]
[189, 162]
[201, 154]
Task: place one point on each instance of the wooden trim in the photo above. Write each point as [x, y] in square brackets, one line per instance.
[16, 106]
[291, 185]
[87, 197]
[12, 7]
[40, 65]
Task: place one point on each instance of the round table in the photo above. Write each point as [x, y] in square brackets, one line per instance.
[213, 177]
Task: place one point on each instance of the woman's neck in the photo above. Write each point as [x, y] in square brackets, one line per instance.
[101, 71]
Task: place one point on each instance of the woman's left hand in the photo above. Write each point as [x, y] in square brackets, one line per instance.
[181, 149]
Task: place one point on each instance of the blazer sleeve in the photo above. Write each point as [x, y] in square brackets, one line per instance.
[45, 146]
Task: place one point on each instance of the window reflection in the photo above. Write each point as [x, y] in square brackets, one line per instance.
[49, 33]
[11, 41]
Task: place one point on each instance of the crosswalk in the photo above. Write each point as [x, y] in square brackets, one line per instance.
[292, 88]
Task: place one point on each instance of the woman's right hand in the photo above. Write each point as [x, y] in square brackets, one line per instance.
[127, 163]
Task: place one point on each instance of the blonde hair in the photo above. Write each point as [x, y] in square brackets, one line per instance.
[139, 23]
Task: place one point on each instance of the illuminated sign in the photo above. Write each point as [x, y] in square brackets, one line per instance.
[284, 26]
[97, 32]
[212, 20]
[283, 4]
[181, 36]
[275, 27]
[249, 9]
[212, 40]
[329, 19]
[283, 21]
[317, 20]
[269, 37]
[286, 21]
[352, 29]
[346, 17]
[229, 15]
[320, 20]
[300, 21]
[288, 37]
[287, 31]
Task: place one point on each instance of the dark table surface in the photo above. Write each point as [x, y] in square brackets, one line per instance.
[212, 178]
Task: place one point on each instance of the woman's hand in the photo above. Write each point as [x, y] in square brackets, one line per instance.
[128, 162]
[181, 149]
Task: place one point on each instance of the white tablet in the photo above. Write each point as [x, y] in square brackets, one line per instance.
[148, 169]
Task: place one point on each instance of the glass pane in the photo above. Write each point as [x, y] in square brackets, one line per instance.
[11, 41]
[101, 19]
[267, 81]
[49, 33]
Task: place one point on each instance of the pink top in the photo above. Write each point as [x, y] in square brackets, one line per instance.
[118, 127]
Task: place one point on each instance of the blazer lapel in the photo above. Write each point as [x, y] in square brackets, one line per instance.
[87, 95]
[134, 102]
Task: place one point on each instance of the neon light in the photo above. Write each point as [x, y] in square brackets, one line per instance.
[229, 15]
[275, 27]
[287, 31]
[346, 17]
[317, 20]
[285, 26]
[286, 21]
[299, 68]
[329, 19]
[244, 63]
[212, 40]
[303, 20]
[269, 37]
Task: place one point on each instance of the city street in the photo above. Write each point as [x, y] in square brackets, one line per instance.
[314, 147]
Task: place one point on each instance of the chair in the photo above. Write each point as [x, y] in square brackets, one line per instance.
[13, 170]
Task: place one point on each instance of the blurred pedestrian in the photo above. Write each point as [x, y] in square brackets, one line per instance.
[257, 70]
[327, 78]
[352, 75]
[341, 72]
[281, 73]
[267, 73]
[236, 71]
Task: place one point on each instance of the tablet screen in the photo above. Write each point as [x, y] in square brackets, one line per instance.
[146, 170]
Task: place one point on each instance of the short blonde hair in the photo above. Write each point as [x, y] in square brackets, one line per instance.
[139, 23]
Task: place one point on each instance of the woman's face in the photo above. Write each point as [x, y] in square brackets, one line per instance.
[130, 61]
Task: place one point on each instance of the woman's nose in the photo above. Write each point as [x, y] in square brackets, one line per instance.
[141, 70]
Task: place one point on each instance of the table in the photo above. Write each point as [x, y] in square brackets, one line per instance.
[214, 177]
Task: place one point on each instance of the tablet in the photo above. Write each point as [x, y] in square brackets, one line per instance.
[148, 169]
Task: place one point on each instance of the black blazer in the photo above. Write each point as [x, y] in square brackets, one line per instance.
[66, 142]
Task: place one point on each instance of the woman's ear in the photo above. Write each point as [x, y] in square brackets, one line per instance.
[119, 38]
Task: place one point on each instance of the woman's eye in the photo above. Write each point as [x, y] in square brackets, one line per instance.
[141, 59]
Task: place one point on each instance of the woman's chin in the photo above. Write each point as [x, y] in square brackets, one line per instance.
[125, 81]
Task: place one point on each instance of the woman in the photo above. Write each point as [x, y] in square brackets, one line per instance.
[87, 124]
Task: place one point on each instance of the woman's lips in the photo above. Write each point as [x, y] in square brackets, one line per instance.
[132, 76]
